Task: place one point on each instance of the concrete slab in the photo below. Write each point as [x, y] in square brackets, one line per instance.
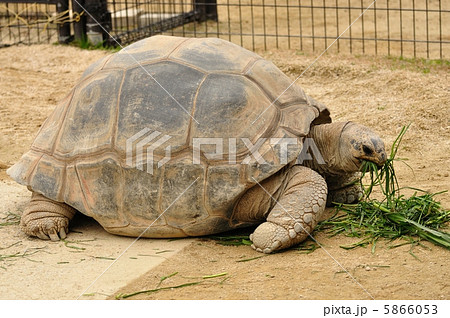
[90, 264]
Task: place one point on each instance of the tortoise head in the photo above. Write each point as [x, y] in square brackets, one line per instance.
[358, 143]
[344, 145]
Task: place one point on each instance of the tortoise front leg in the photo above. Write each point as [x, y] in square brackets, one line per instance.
[344, 189]
[296, 213]
[46, 219]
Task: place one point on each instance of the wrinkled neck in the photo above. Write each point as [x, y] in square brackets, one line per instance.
[326, 157]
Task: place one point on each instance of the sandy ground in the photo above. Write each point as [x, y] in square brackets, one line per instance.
[81, 267]
[383, 93]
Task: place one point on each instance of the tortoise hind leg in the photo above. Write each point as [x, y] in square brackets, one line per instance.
[296, 213]
[46, 219]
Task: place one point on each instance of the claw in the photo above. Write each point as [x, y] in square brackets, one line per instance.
[275, 245]
[53, 236]
[62, 234]
[42, 236]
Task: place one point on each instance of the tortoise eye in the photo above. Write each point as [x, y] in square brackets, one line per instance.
[367, 150]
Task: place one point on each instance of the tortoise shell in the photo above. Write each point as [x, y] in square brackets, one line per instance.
[177, 91]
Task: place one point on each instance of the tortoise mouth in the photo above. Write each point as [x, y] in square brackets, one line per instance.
[378, 158]
[362, 161]
[378, 161]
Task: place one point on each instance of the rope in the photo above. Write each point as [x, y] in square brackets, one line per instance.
[60, 18]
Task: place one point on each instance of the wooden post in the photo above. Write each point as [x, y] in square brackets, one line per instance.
[206, 9]
[63, 29]
[98, 21]
[211, 10]
[79, 28]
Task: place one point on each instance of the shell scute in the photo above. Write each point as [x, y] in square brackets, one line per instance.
[141, 196]
[224, 184]
[144, 51]
[214, 55]
[230, 106]
[100, 181]
[73, 194]
[47, 177]
[182, 193]
[95, 67]
[297, 119]
[158, 105]
[89, 122]
[46, 138]
[280, 87]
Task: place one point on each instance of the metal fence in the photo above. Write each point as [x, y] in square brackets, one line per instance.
[133, 20]
[410, 28]
[34, 21]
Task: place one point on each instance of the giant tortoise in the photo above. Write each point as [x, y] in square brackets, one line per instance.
[175, 137]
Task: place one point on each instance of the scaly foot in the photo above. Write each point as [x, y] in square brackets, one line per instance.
[46, 219]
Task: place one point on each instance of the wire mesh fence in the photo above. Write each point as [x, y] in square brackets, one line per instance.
[27, 23]
[35, 21]
[135, 20]
[410, 28]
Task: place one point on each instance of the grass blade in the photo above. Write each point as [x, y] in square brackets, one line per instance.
[249, 259]
[215, 275]
[149, 291]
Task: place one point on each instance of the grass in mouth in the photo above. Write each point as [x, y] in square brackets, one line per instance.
[395, 216]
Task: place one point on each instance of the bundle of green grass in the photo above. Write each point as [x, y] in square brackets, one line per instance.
[394, 216]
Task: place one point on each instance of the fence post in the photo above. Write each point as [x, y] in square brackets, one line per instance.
[207, 10]
[62, 6]
[98, 21]
[79, 27]
[211, 10]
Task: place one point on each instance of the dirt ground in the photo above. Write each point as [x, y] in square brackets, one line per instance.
[383, 93]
